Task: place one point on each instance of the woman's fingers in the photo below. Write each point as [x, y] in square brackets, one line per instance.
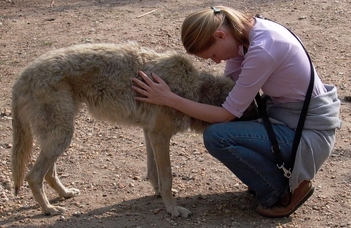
[147, 84]
[139, 90]
[146, 78]
[141, 84]
[157, 78]
[143, 88]
[153, 90]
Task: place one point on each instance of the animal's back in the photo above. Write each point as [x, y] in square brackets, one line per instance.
[99, 75]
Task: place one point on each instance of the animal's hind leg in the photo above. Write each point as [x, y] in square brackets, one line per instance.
[53, 180]
[151, 165]
[51, 150]
[54, 127]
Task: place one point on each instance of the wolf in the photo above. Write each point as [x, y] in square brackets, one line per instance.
[51, 90]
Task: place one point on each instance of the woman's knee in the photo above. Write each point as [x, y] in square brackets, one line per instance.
[210, 137]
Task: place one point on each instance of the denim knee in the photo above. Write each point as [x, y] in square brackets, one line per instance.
[211, 141]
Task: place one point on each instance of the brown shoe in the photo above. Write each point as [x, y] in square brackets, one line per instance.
[299, 196]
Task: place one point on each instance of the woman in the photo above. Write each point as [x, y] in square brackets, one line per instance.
[260, 55]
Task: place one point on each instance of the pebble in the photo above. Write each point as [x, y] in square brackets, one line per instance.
[77, 214]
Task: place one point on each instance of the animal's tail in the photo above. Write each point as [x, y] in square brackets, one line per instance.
[22, 144]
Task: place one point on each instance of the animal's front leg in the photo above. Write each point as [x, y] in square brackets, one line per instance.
[151, 165]
[160, 145]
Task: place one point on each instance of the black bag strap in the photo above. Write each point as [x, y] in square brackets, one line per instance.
[274, 142]
[262, 110]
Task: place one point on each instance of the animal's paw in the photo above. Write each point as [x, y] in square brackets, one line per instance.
[54, 210]
[185, 213]
[181, 211]
[70, 192]
[157, 191]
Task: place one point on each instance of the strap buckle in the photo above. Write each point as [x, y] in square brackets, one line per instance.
[287, 172]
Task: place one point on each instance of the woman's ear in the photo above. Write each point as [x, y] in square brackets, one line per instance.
[219, 34]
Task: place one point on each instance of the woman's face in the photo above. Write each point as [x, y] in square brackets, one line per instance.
[224, 48]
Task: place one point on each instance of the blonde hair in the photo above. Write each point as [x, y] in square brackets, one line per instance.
[198, 28]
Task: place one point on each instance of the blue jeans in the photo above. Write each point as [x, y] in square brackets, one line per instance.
[244, 147]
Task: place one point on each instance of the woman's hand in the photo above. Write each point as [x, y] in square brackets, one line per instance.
[156, 92]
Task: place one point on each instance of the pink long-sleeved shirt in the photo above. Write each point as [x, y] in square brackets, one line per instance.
[275, 62]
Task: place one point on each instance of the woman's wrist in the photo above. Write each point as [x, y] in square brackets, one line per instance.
[173, 101]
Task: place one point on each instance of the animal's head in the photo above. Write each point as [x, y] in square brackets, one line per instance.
[214, 90]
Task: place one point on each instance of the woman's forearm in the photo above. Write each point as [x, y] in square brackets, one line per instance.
[158, 92]
[205, 112]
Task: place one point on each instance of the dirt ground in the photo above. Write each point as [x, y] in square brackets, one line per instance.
[108, 162]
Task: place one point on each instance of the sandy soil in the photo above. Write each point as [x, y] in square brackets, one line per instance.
[108, 162]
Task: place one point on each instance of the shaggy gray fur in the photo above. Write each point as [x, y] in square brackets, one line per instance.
[50, 90]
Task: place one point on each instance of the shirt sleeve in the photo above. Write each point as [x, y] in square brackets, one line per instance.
[253, 73]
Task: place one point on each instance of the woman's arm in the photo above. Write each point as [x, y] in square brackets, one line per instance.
[158, 92]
